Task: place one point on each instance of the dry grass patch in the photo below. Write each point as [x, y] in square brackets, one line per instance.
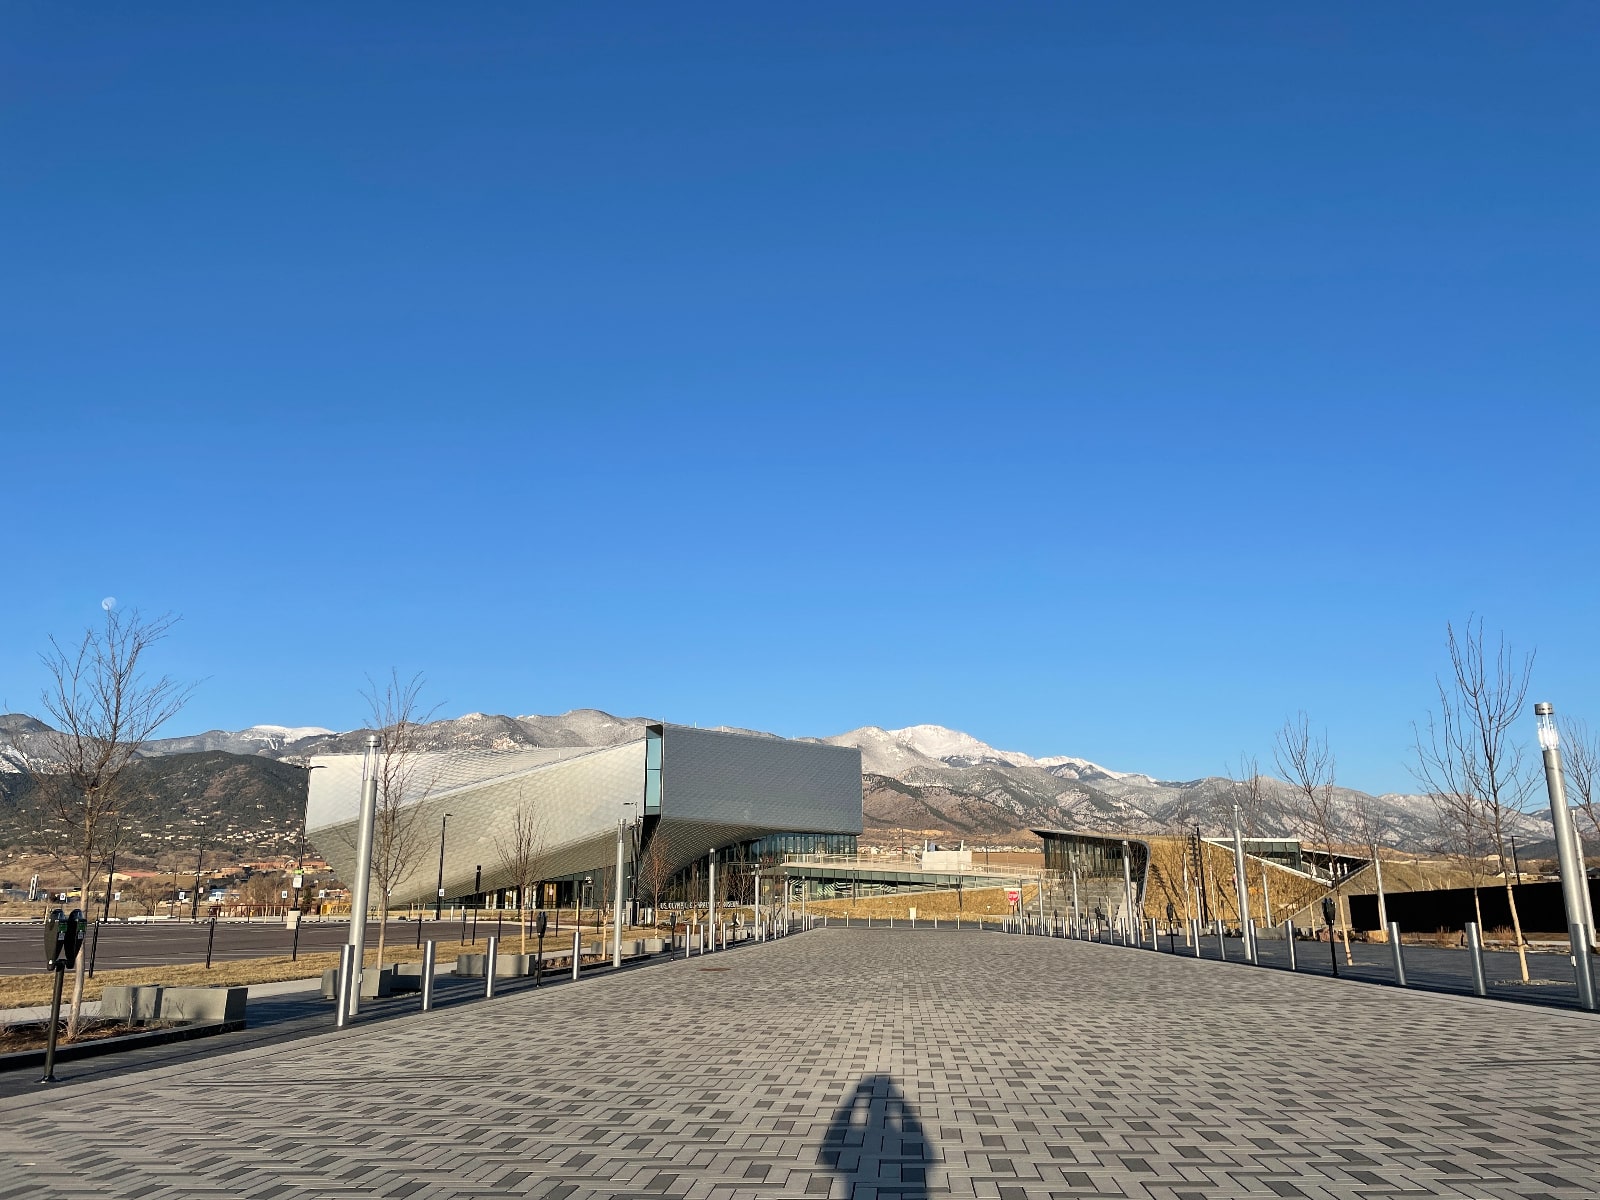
[974, 903]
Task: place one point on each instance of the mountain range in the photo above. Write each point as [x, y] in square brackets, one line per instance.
[924, 780]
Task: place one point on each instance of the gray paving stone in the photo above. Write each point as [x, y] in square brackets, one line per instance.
[856, 1065]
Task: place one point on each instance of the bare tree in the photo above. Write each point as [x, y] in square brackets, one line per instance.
[1462, 836]
[1373, 824]
[147, 892]
[1308, 765]
[522, 851]
[102, 707]
[1248, 789]
[1467, 759]
[1580, 755]
[398, 837]
[655, 868]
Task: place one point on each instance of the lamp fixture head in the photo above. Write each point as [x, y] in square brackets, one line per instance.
[1549, 734]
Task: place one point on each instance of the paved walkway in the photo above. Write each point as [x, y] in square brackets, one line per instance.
[863, 1063]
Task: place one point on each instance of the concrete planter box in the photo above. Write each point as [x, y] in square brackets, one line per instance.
[134, 1005]
[654, 945]
[376, 982]
[506, 966]
[203, 1004]
[155, 1003]
[405, 977]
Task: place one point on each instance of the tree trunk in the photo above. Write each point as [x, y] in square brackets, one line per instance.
[522, 915]
[383, 924]
[1516, 930]
[79, 972]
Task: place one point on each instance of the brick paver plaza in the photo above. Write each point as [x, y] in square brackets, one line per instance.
[856, 1063]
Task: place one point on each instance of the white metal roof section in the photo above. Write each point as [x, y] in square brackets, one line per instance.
[335, 784]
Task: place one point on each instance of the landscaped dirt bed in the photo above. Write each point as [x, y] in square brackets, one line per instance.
[31, 1036]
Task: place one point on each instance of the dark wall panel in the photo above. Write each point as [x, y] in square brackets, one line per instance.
[757, 782]
[1539, 906]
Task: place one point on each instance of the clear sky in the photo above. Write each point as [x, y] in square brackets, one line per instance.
[1108, 380]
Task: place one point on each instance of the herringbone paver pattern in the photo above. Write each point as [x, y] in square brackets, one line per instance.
[853, 1063]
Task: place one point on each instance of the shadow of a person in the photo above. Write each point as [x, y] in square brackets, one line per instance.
[875, 1141]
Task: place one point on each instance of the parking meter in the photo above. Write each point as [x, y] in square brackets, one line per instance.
[63, 938]
[541, 922]
[1328, 910]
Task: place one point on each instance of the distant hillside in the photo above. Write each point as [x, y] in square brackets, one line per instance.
[925, 778]
[245, 806]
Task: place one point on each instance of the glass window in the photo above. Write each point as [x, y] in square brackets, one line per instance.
[652, 769]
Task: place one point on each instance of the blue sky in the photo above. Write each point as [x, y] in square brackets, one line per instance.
[1110, 381]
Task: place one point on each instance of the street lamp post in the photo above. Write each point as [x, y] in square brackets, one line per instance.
[359, 886]
[477, 892]
[438, 896]
[1127, 890]
[616, 917]
[1574, 881]
[1241, 887]
[711, 896]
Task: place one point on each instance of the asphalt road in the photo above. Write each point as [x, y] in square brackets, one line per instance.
[164, 943]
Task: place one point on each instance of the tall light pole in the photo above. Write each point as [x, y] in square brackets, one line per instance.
[1241, 887]
[1077, 921]
[438, 895]
[711, 894]
[1127, 889]
[1574, 880]
[359, 885]
[616, 917]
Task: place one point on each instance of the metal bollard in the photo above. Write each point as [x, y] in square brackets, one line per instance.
[1475, 951]
[1194, 927]
[490, 961]
[1288, 940]
[428, 951]
[347, 954]
[1251, 950]
[1399, 957]
[577, 953]
[1582, 968]
[1222, 946]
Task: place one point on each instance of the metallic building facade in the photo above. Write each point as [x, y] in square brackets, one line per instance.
[1097, 862]
[693, 790]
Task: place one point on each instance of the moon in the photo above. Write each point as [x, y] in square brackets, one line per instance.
[108, 603]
